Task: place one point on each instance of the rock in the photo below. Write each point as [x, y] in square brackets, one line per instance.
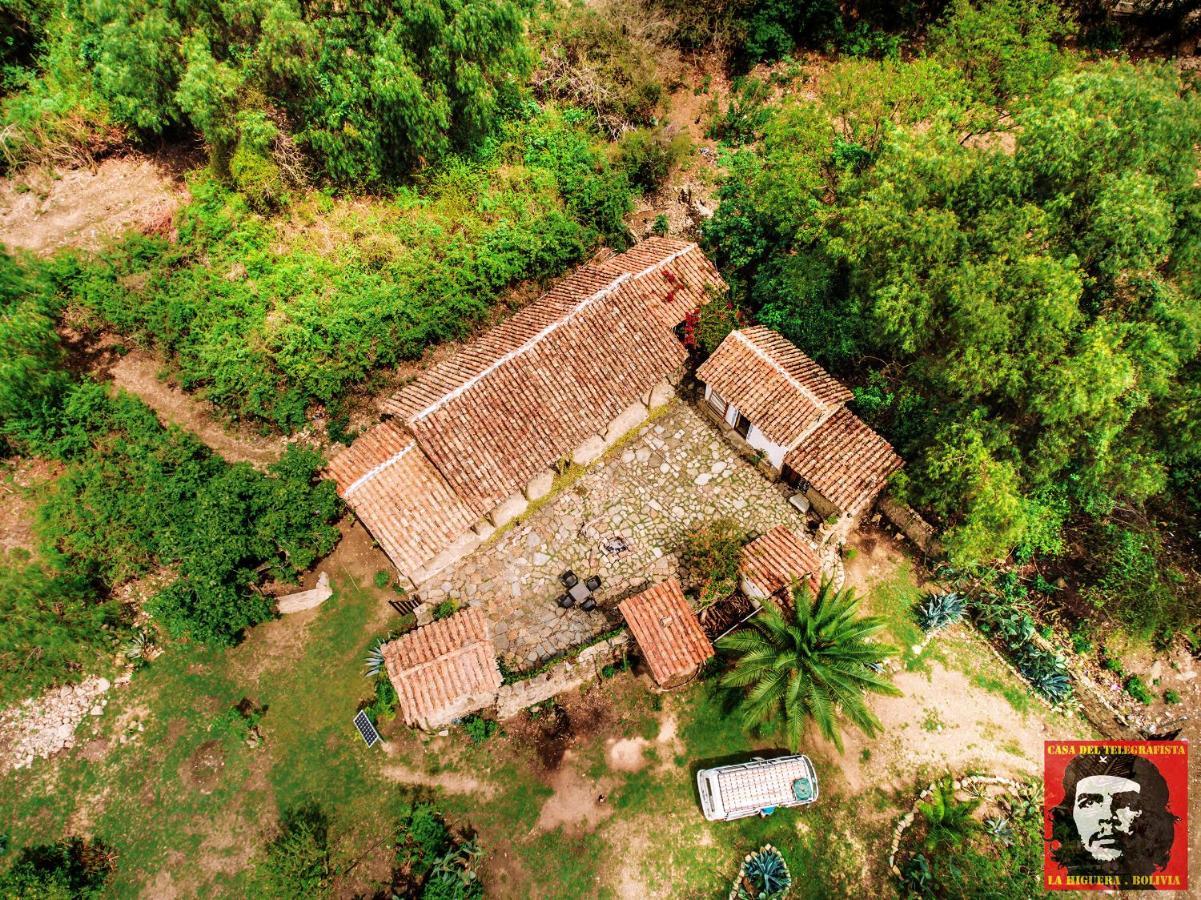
[302, 600]
[703, 479]
[589, 451]
[97, 710]
[508, 510]
[540, 485]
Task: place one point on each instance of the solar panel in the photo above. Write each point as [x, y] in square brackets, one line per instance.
[366, 729]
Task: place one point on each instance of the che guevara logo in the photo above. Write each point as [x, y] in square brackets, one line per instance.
[1116, 815]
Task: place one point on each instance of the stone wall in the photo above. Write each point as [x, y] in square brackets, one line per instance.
[910, 524]
[562, 677]
[302, 600]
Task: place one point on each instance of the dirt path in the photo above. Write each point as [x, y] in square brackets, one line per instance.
[137, 372]
[43, 210]
[106, 358]
[19, 482]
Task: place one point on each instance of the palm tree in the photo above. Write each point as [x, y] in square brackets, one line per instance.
[815, 664]
[948, 821]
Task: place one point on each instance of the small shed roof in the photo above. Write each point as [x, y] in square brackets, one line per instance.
[773, 561]
[845, 461]
[444, 670]
[667, 631]
[780, 389]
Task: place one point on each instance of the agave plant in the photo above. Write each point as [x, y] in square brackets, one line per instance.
[999, 830]
[939, 610]
[916, 874]
[763, 876]
[140, 647]
[1047, 674]
[375, 658]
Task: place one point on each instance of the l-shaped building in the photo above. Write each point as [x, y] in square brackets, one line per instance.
[466, 446]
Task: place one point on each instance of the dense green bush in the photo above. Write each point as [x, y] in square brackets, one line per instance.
[432, 862]
[648, 156]
[143, 496]
[752, 31]
[73, 869]
[1006, 49]
[710, 556]
[135, 497]
[1031, 343]
[1001, 864]
[296, 864]
[54, 626]
[263, 324]
[1134, 584]
[593, 61]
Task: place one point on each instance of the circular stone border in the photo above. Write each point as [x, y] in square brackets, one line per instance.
[1009, 785]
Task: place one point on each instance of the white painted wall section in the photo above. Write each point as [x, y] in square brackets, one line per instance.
[773, 452]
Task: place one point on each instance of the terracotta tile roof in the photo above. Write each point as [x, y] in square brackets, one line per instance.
[667, 631]
[774, 560]
[780, 389]
[474, 429]
[444, 670]
[400, 497]
[532, 389]
[845, 461]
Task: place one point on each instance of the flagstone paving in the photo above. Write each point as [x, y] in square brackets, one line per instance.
[677, 472]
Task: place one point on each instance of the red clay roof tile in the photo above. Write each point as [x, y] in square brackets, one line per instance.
[668, 633]
[444, 670]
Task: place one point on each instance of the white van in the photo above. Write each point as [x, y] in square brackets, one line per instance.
[758, 786]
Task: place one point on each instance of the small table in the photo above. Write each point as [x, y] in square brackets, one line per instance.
[579, 591]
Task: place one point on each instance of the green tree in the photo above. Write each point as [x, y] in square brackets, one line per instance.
[813, 664]
[1006, 49]
[376, 91]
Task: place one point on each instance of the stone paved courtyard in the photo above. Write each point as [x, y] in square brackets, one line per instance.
[675, 473]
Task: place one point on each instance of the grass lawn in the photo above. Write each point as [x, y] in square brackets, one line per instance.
[188, 804]
[185, 802]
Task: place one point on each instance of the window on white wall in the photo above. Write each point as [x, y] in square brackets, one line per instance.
[717, 402]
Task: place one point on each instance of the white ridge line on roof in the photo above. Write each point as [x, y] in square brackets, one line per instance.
[779, 368]
[549, 329]
[375, 470]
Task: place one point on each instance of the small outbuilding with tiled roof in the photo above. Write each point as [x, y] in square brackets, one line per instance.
[444, 670]
[782, 404]
[667, 631]
[772, 562]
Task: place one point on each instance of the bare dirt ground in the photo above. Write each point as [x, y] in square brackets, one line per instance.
[42, 210]
[20, 480]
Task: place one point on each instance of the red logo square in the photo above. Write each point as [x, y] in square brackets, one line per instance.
[1116, 815]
